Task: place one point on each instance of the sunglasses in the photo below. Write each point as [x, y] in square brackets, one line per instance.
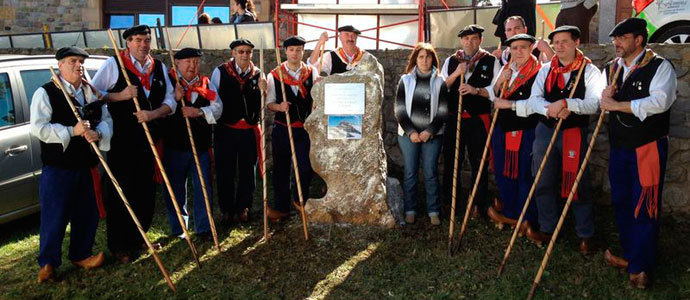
[243, 51]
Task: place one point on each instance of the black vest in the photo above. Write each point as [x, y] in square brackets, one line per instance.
[509, 120]
[556, 94]
[626, 130]
[175, 132]
[300, 107]
[78, 153]
[126, 129]
[481, 77]
[337, 65]
[239, 104]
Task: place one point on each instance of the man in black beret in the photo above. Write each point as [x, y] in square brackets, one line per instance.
[514, 133]
[516, 25]
[237, 136]
[130, 156]
[342, 59]
[550, 97]
[298, 78]
[202, 108]
[66, 187]
[479, 68]
[639, 103]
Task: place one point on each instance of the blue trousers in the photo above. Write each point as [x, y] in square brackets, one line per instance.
[282, 166]
[638, 235]
[66, 196]
[180, 165]
[428, 153]
[514, 192]
[548, 190]
[235, 154]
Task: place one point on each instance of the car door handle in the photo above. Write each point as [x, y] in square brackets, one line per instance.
[16, 150]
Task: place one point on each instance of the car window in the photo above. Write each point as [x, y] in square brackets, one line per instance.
[34, 79]
[6, 101]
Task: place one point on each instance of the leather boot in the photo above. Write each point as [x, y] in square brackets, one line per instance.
[46, 274]
[93, 261]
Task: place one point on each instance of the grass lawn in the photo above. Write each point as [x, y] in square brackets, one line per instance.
[346, 262]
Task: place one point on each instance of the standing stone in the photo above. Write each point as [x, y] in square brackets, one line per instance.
[354, 170]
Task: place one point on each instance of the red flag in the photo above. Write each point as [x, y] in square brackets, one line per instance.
[640, 5]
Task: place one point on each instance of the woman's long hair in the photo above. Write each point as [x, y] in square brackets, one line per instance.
[246, 5]
[412, 60]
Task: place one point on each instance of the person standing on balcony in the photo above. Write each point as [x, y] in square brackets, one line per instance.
[577, 13]
[244, 12]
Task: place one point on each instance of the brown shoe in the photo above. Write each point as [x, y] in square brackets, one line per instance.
[122, 257]
[499, 219]
[498, 204]
[244, 216]
[587, 246]
[538, 237]
[615, 261]
[276, 216]
[46, 274]
[639, 280]
[524, 226]
[93, 261]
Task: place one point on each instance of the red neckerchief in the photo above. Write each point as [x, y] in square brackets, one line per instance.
[200, 87]
[304, 74]
[529, 70]
[556, 73]
[230, 68]
[343, 56]
[475, 58]
[143, 78]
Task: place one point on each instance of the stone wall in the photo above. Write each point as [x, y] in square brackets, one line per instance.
[20, 16]
[677, 182]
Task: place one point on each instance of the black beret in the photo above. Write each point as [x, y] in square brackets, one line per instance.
[574, 31]
[630, 25]
[70, 51]
[241, 42]
[349, 28]
[520, 37]
[187, 53]
[471, 29]
[141, 29]
[294, 40]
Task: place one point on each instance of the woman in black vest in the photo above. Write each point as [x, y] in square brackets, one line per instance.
[244, 12]
[421, 108]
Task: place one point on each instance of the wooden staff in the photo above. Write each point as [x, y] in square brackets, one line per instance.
[542, 30]
[194, 153]
[537, 177]
[57, 81]
[547, 255]
[292, 148]
[451, 229]
[481, 164]
[263, 142]
[321, 57]
[155, 153]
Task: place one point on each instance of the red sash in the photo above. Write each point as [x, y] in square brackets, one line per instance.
[649, 171]
[143, 77]
[98, 191]
[572, 138]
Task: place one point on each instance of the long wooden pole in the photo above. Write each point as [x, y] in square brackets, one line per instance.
[451, 229]
[537, 178]
[155, 153]
[470, 201]
[197, 163]
[263, 145]
[292, 148]
[156, 258]
[547, 255]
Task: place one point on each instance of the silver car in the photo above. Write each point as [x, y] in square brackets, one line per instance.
[20, 156]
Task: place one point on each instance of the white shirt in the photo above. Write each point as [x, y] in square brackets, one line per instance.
[662, 90]
[107, 75]
[41, 112]
[468, 74]
[271, 90]
[327, 64]
[594, 85]
[215, 108]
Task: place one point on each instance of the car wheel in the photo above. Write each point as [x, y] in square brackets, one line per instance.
[674, 35]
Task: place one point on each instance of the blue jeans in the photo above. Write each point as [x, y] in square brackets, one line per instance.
[179, 165]
[429, 153]
[66, 196]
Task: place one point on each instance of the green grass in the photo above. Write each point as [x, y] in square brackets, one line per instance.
[346, 262]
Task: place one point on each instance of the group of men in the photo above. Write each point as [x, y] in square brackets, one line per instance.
[532, 84]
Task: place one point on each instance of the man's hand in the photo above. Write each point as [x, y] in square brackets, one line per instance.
[129, 92]
[263, 85]
[414, 137]
[610, 104]
[543, 46]
[503, 103]
[179, 92]
[284, 106]
[191, 112]
[145, 116]
[497, 53]
[553, 109]
[504, 77]
[323, 37]
[425, 136]
[467, 89]
[461, 69]
[609, 91]
[564, 114]
[91, 136]
[80, 128]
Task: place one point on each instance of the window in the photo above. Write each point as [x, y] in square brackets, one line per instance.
[151, 19]
[182, 14]
[121, 21]
[6, 101]
[34, 79]
[222, 12]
